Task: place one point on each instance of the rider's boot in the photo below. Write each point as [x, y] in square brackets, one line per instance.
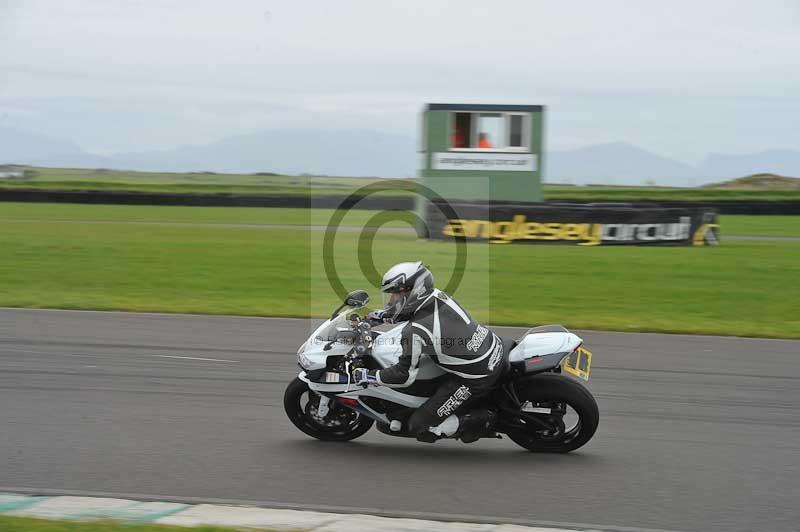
[445, 429]
[473, 425]
[429, 437]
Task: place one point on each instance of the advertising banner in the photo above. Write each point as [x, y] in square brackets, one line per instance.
[583, 225]
[453, 160]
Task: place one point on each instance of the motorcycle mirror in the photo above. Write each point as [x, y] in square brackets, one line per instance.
[357, 298]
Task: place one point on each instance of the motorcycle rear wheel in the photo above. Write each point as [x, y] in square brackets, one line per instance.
[557, 392]
[341, 424]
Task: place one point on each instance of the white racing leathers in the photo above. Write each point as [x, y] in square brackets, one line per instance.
[468, 351]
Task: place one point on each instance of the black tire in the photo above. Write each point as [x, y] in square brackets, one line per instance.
[554, 388]
[345, 424]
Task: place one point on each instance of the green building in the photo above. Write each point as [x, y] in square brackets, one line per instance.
[482, 152]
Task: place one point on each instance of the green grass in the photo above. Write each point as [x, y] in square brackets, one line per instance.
[201, 183]
[739, 225]
[744, 225]
[27, 524]
[212, 183]
[200, 215]
[746, 288]
[181, 188]
[610, 193]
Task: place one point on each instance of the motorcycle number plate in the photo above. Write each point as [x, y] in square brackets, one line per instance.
[578, 363]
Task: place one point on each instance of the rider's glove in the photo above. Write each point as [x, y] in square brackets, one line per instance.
[362, 377]
[376, 316]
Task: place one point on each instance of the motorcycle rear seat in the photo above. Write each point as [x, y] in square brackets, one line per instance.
[543, 329]
[508, 345]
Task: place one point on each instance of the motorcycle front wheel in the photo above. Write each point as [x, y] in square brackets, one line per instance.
[564, 405]
[341, 424]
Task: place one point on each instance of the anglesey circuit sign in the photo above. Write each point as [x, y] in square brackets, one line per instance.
[504, 224]
[514, 162]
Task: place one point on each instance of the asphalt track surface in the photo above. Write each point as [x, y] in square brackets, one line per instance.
[696, 433]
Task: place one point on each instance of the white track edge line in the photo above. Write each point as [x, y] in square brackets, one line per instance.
[346, 510]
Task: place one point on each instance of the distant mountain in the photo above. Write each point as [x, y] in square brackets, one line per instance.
[620, 163]
[616, 163]
[23, 147]
[371, 153]
[724, 166]
[346, 153]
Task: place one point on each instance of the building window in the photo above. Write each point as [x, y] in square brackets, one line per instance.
[462, 130]
[515, 131]
[490, 131]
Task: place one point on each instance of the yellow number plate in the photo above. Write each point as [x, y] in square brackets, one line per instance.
[578, 363]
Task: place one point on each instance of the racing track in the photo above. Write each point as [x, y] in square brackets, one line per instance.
[696, 433]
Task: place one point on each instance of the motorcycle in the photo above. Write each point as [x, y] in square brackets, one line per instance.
[540, 404]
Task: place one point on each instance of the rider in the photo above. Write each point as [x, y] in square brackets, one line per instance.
[438, 327]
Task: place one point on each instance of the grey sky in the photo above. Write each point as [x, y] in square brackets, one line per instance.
[680, 78]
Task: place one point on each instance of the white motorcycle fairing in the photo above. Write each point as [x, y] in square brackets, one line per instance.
[538, 344]
[386, 349]
[313, 354]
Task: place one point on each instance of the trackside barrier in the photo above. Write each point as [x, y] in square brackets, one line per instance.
[583, 225]
[331, 202]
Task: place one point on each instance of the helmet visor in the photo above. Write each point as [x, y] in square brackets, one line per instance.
[394, 302]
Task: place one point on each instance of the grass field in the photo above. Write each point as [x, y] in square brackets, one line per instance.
[732, 225]
[746, 288]
[607, 193]
[199, 215]
[743, 225]
[209, 183]
[26, 524]
[200, 182]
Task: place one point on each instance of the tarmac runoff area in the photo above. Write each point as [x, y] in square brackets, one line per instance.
[697, 433]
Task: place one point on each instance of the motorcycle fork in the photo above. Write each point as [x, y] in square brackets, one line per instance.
[324, 406]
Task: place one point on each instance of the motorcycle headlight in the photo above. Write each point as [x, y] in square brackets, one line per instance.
[302, 359]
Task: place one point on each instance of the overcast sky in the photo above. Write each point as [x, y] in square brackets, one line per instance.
[680, 78]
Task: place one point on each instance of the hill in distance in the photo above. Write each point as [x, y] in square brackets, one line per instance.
[616, 163]
[724, 166]
[361, 153]
[759, 182]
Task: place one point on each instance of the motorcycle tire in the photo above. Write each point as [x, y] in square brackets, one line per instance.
[549, 388]
[356, 425]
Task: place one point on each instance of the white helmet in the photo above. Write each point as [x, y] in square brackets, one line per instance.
[405, 286]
